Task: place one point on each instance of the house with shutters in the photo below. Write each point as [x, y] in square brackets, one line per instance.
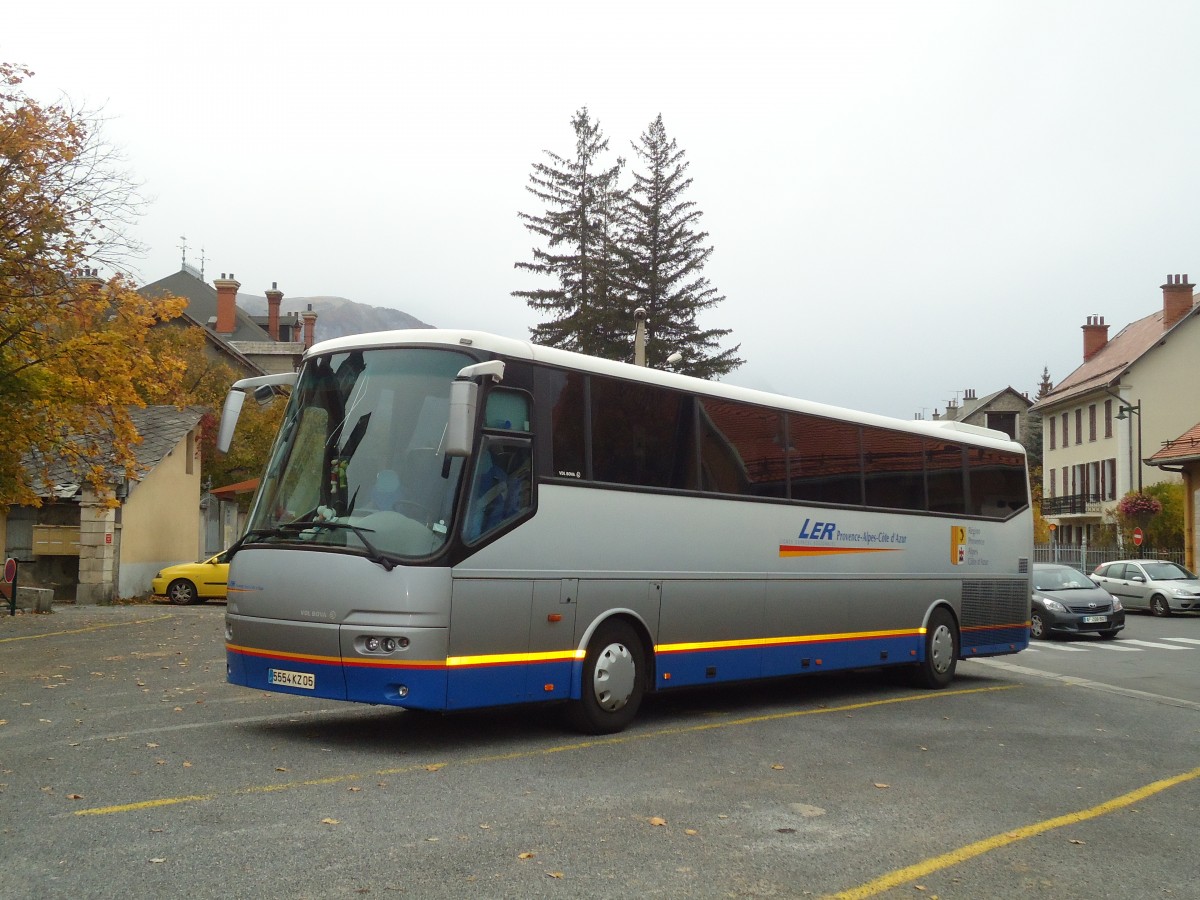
[1132, 393]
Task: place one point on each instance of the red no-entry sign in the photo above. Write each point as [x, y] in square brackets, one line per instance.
[1137, 537]
[10, 570]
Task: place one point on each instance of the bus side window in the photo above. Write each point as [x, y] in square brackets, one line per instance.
[508, 410]
[501, 489]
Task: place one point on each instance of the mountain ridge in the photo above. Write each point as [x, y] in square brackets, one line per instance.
[336, 316]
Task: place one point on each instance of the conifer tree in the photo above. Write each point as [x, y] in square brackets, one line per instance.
[578, 227]
[663, 254]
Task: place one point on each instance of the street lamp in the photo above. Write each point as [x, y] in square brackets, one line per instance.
[1135, 410]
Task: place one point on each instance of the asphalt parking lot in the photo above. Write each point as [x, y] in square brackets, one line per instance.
[130, 768]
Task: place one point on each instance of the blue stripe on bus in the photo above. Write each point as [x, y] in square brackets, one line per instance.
[469, 687]
[253, 671]
[710, 665]
[474, 686]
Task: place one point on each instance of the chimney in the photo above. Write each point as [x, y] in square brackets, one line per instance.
[1095, 336]
[1177, 299]
[274, 298]
[227, 289]
[310, 325]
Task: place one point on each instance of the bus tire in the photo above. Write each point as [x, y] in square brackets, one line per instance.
[941, 650]
[613, 680]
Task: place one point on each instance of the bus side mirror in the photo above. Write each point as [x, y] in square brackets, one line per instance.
[263, 387]
[464, 399]
[460, 430]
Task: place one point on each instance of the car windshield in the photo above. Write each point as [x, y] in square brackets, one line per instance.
[1166, 571]
[359, 461]
[1060, 578]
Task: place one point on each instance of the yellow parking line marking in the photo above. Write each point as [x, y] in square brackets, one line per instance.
[545, 751]
[34, 637]
[970, 851]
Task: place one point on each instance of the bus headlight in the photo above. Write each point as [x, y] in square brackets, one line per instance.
[372, 645]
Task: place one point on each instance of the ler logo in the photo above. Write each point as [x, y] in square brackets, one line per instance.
[958, 544]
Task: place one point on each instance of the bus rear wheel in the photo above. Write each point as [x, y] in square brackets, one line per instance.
[941, 650]
[613, 681]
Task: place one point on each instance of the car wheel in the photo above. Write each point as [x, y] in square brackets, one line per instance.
[941, 650]
[181, 592]
[1159, 606]
[1109, 635]
[613, 680]
[1038, 629]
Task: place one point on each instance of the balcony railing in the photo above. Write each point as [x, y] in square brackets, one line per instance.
[1072, 503]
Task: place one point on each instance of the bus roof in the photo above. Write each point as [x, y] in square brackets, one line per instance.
[566, 359]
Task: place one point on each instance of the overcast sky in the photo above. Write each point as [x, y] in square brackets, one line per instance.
[906, 199]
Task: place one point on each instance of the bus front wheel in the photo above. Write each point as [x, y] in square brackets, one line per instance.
[613, 681]
[941, 650]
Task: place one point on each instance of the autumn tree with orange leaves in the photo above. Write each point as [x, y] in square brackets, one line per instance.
[75, 352]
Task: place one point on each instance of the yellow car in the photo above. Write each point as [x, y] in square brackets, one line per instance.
[194, 582]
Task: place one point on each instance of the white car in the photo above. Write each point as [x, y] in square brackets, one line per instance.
[1161, 587]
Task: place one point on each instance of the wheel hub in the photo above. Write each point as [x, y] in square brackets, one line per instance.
[614, 677]
[941, 649]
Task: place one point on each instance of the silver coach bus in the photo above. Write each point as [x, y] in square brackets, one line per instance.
[452, 520]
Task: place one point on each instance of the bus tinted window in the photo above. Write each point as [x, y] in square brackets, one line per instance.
[944, 474]
[642, 435]
[825, 460]
[998, 483]
[894, 469]
[564, 396]
[742, 449]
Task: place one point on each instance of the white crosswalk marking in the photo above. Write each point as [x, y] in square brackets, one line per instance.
[1067, 647]
[1115, 645]
[1154, 644]
[1183, 640]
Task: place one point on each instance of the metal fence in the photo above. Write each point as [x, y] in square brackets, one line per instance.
[1085, 558]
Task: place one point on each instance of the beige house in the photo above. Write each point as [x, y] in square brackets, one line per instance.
[1131, 394]
[90, 552]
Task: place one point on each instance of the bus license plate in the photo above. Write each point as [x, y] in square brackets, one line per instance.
[1092, 620]
[304, 680]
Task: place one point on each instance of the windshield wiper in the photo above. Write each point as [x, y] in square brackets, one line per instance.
[252, 535]
[373, 554]
[297, 528]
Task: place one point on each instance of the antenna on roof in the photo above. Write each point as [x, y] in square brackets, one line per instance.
[202, 258]
[183, 247]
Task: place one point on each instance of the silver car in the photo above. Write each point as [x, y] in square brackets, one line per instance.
[1161, 587]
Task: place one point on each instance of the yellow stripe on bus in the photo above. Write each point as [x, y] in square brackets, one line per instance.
[789, 639]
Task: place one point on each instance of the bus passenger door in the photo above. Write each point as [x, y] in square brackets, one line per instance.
[551, 639]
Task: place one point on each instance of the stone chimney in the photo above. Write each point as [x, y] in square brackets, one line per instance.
[227, 289]
[1177, 299]
[310, 326]
[274, 299]
[1095, 336]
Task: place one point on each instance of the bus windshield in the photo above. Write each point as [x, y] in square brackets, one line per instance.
[359, 461]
